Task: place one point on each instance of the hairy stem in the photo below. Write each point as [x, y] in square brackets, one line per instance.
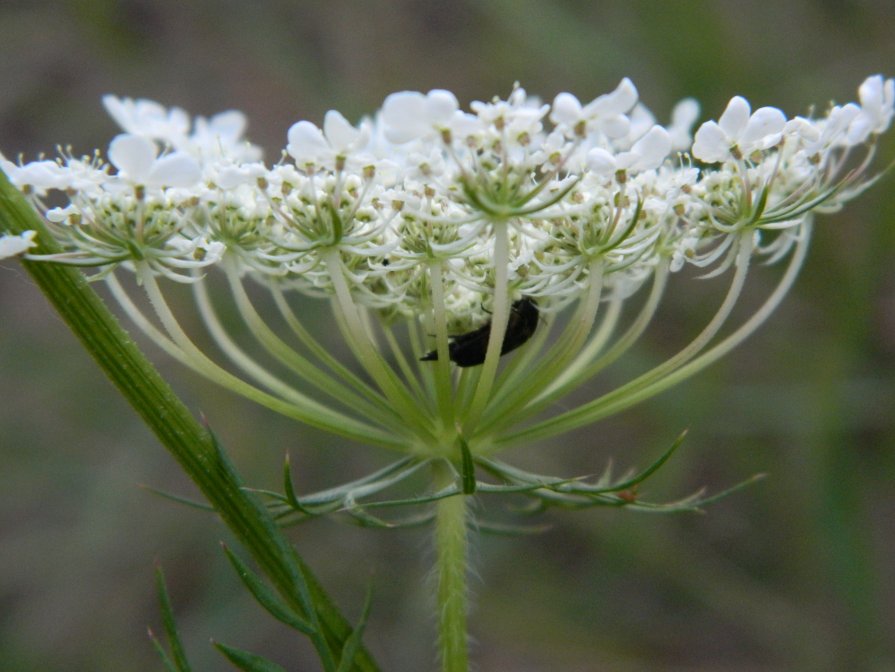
[451, 547]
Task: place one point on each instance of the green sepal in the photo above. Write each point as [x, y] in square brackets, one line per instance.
[266, 597]
[247, 661]
[178, 660]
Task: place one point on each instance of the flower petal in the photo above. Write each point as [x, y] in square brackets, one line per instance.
[401, 116]
[566, 109]
[306, 143]
[616, 126]
[683, 116]
[763, 130]
[440, 106]
[600, 161]
[11, 246]
[133, 155]
[711, 143]
[735, 117]
[339, 131]
[651, 149]
[230, 124]
[174, 170]
[619, 101]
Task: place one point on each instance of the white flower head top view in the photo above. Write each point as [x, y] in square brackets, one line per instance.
[479, 264]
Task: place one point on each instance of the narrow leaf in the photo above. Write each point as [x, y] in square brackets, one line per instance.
[650, 470]
[289, 487]
[266, 597]
[349, 651]
[246, 661]
[365, 519]
[510, 530]
[177, 651]
[192, 503]
[450, 491]
[160, 650]
[517, 477]
[496, 488]
[369, 484]
[732, 489]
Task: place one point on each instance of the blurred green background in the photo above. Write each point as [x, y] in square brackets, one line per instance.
[795, 573]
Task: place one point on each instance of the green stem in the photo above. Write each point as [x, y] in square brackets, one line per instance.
[647, 384]
[189, 442]
[451, 547]
[358, 338]
[499, 321]
[444, 392]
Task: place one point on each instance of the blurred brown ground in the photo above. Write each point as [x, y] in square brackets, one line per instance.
[795, 573]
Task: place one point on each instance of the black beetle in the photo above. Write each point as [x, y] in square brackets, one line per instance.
[469, 349]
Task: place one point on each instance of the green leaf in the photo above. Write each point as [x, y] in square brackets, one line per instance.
[650, 470]
[362, 487]
[349, 651]
[266, 597]
[369, 485]
[363, 518]
[160, 650]
[192, 503]
[178, 653]
[449, 491]
[729, 491]
[575, 486]
[510, 530]
[293, 577]
[289, 488]
[503, 489]
[246, 661]
[576, 494]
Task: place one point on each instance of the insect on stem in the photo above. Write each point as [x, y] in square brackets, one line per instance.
[469, 349]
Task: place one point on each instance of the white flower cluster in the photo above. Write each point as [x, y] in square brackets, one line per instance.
[478, 226]
[576, 189]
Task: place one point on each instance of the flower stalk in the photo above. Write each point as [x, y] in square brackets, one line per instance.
[451, 551]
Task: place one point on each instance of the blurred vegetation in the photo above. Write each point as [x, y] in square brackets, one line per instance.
[795, 573]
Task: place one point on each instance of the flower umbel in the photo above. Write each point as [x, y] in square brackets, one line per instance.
[479, 266]
[428, 229]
